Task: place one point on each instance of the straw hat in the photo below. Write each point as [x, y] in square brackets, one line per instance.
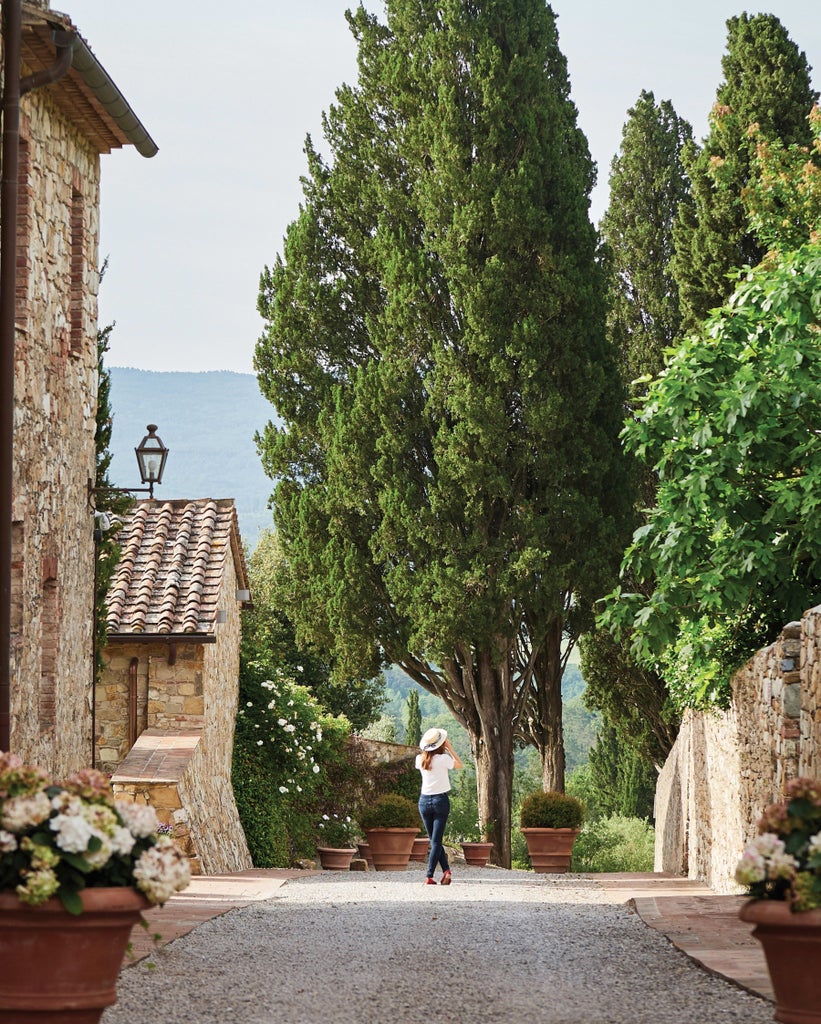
[433, 739]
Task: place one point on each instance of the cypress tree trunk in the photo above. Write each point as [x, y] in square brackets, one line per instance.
[486, 684]
[548, 671]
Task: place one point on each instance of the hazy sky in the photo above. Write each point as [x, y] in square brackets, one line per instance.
[228, 93]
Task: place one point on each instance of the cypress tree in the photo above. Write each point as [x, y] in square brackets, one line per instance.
[766, 83]
[413, 732]
[450, 479]
[648, 186]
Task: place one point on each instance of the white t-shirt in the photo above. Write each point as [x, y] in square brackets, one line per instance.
[436, 778]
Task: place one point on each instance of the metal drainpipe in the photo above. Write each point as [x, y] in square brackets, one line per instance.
[12, 20]
[12, 90]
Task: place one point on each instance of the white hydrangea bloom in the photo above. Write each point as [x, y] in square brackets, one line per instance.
[751, 868]
[161, 871]
[122, 841]
[140, 819]
[22, 812]
[73, 832]
[768, 844]
[8, 842]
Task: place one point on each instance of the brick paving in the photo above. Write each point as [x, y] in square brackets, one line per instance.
[701, 923]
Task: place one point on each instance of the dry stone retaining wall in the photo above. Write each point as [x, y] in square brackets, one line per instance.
[727, 766]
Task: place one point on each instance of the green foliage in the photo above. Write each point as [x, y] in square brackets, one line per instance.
[579, 727]
[733, 546]
[648, 185]
[581, 785]
[269, 643]
[628, 695]
[783, 199]
[337, 831]
[288, 754]
[550, 810]
[383, 729]
[450, 485]
[463, 820]
[616, 843]
[413, 729]
[623, 779]
[767, 83]
[390, 811]
[107, 550]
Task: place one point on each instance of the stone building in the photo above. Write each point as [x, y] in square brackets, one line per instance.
[166, 702]
[64, 128]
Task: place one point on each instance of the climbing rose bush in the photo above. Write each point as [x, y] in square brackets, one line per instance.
[58, 838]
[288, 752]
[784, 861]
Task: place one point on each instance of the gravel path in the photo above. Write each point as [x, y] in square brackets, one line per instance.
[369, 948]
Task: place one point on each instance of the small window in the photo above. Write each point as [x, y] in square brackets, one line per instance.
[49, 641]
[77, 333]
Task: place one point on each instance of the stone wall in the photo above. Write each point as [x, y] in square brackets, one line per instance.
[172, 773]
[727, 766]
[186, 707]
[167, 683]
[55, 384]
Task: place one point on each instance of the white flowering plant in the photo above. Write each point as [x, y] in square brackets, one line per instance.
[58, 838]
[288, 754]
[784, 861]
[337, 831]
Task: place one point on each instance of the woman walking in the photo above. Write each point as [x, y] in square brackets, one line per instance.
[435, 762]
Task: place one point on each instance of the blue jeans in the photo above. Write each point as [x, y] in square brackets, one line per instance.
[434, 811]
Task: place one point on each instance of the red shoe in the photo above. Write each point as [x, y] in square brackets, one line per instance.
[432, 881]
[446, 878]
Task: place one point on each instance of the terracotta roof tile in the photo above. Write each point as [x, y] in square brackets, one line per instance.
[171, 567]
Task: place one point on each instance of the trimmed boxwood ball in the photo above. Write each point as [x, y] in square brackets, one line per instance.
[551, 810]
[390, 811]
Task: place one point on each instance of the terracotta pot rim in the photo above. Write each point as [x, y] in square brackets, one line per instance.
[111, 897]
[337, 849]
[534, 828]
[759, 911]
[387, 828]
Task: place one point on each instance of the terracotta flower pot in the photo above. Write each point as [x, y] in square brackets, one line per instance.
[334, 858]
[550, 848]
[421, 849]
[792, 947]
[55, 966]
[477, 854]
[364, 851]
[391, 847]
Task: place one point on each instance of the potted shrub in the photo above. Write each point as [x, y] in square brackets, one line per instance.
[781, 869]
[477, 846]
[421, 847]
[336, 841]
[391, 824]
[77, 868]
[550, 823]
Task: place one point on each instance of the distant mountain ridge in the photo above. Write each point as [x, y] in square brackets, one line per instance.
[208, 421]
